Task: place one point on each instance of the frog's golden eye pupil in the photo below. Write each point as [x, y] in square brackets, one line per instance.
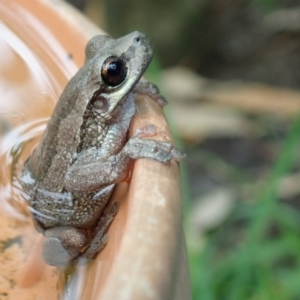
[113, 71]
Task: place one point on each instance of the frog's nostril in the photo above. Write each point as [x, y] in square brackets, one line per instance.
[137, 39]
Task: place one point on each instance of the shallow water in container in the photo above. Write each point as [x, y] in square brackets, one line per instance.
[34, 69]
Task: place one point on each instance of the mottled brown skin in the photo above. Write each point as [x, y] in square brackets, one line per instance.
[84, 151]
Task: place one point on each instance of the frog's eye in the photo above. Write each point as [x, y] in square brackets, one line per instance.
[113, 71]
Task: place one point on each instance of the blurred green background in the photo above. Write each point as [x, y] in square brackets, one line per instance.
[231, 72]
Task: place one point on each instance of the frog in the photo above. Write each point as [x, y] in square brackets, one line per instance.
[85, 150]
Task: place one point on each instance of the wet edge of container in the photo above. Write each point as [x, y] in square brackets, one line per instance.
[146, 254]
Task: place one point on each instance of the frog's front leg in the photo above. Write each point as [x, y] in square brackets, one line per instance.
[96, 174]
[145, 87]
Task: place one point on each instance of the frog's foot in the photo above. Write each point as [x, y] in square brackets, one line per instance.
[156, 148]
[145, 87]
[62, 244]
[100, 238]
[145, 148]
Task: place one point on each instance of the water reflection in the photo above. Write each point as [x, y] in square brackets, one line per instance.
[33, 72]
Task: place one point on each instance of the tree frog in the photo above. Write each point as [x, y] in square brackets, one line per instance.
[85, 151]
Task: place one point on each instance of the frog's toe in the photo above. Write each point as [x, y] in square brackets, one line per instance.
[146, 131]
[178, 154]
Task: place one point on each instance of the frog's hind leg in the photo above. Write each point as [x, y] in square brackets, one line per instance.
[63, 244]
[100, 237]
